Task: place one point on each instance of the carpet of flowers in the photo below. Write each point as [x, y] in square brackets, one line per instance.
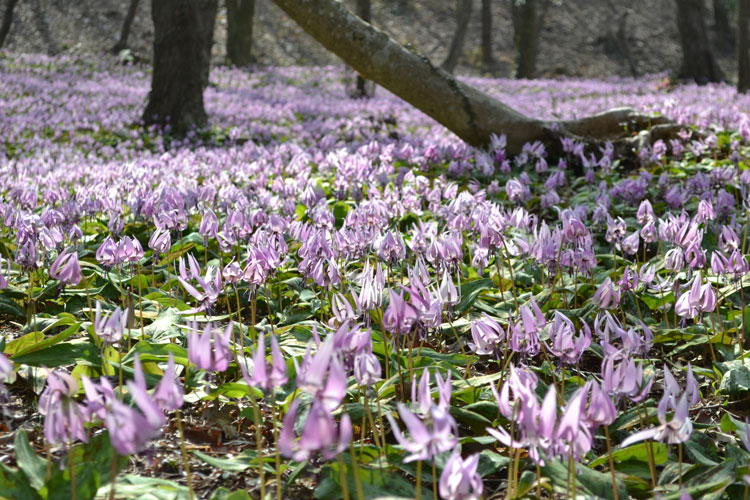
[362, 304]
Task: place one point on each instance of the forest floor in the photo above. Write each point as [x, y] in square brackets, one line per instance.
[578, 37]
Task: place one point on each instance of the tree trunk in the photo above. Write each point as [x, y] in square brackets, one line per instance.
[182, 32]
[525, 36]
[463, 15]
[722, 26]
[240, 15]
[42, 26]
[7, 20]
[743, 47]
[698, 62]
[122, 43]
[468, 112]
[488, 59]
[364, 11]
[208, 9]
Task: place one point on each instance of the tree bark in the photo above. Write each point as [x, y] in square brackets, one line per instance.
[183, 31]
[743, 47]
[364, 11]
[698, 61]
[525, 36]
[463, 15]
[240, 15]
[722, 26]
[42, 26]
[468, 112]
[122, 43]
[7, 20]
[488, 59]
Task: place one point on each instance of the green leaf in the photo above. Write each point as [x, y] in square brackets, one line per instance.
[93, 468]
[60, 355]
[224, 494]
[15, 485]
[637, 452]
[147, 488]
[240, 463]
[24, 342]
[55, 339]
[736, 381]
[470, 291]
[32, 465]
[588, 481]
[9, 307]
[165, 326]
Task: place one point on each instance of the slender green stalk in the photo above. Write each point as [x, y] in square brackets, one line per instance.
[185, 461]
[274, 419]
[355, 468]
[259, 445]
[342, 477]
[612, 463]
[419, 480]
[434, 480]
[140, 299]
[72, 464]
[679, 453]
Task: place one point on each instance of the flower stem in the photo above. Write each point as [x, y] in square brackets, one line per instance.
[276, 445]
[434, 480]
[342, 477]
[259, 445]
[419, 480]
[355, 467]
[72, 464]
[612, 463]
[185, 462]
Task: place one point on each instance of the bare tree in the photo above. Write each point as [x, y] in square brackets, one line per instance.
[42, 25]
[7, 20]
[463, 15]
[469, 113]
[364, 11]
[127, 23]
[525, 36]
[240, 14]
[743, 47]
[698, 61]
[183, 32]
[723, 28]
[488, 59]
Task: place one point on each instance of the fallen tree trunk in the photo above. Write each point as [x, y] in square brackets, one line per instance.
[468, 112]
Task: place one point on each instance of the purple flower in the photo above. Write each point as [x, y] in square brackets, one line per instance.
[160, 241]
[169, 393]
[210, 288]
[129, 250]
[676, 430]
[607, 296]
[207, 355]
[460, 480]
[64, 417]
[487, 335]
[260, 377]
[367, 370]
[699, 299]
[3, 279]
[427, 440]
[400, 316]
[564, 344]
[66, 268]
[107, 255]
[209, 225]
[318, 433]
[111, 326]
